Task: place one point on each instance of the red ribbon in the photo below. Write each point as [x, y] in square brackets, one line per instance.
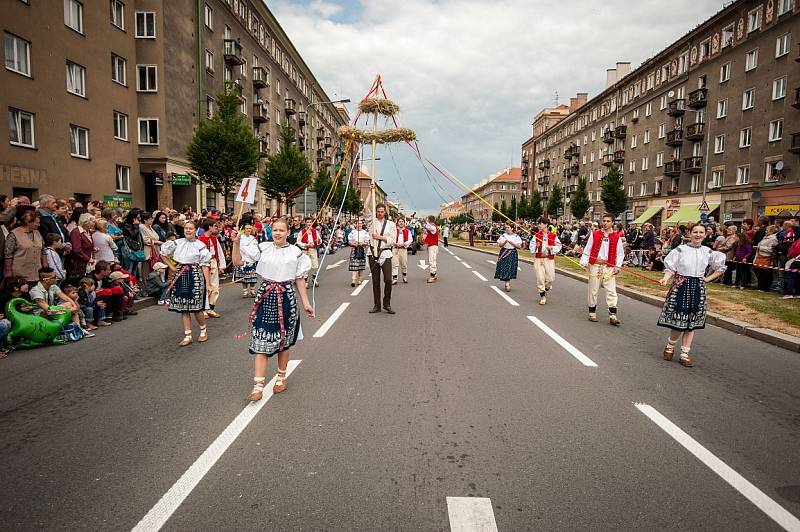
[279, 289]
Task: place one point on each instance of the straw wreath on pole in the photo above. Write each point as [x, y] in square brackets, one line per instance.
[380, 106]
[399, 134]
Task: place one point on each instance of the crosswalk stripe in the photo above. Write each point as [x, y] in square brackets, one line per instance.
[471, 514]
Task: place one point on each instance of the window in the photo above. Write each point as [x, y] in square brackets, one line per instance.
[118, 70]
[657, 188]
[148, 131]
[776, 130]
[120, 126]
[659, 159]
[727, 36]
[209, 61]
[209, 107]
[751, 60]
[663, 102]
[695, 186]
[748, 99]
[630, 189]
[145, 25]
[648, 109]
[722, 108]
[243, 105]
[745, 136]
[645, 163]
[594, 135]
[782, 45]
[277, 117]
[20, 128]
[78, 141]
[784, 6]
[643, 188]
[76, 79]
[646, 136]
[118, 14]
[743, 175]
[683, 62]
[771, 174]
[697, 148]
[675, 184]
[636, 113]
[725, 72]
[18, 55]
[123, 178]
[632, 166]
[754, 20]
[591, 156]
[73, 15]
[717, 176]
[719, 144]
[146, 78]
[209, 17]
[633, 141]
[705, 51]
[651, 81]
[662, 131]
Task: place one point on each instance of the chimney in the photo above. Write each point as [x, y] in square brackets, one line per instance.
[578, 101]
[623, 69]
[611, 76]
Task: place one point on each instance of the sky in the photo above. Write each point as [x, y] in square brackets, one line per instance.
[470, 75]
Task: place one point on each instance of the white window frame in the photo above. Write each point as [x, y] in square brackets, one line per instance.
[754, 20]
[722, 108]
[209, 59]
[120, 125]
[146, 69]
[208, 17]
[645, 163]
[123, 172]
[17, 116]
[663, 102]
[115, 59]
[143, 16]
[118, 23]
[634, 141]
[632, 166]
[719, 144]
[643, 188]
[631, 189]
[745, 137]
[18, 43]
[648, 109]
[784, 6]
[751, 60]
[743, 174]
[662, 131]
[76, 133]
[727, 36]
[139, 131]
[80, 79]
[776, 130]
[779, 88]
[694, 187]
[657, 188]
[646, 139]
[748, 99]
[73, 19]
[725, 72]
[659, 159]
[782, 44]
[717, 178]
[210, 103]
[770, 171]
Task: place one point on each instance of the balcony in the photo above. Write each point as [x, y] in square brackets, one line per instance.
[301, 118]
[328, 142]
[290, 107]
[698, 98]
[608, 136]
[524, 171]
[571, 189]
[672, 168]
[260, 113]
[320, 155]
[608, 159]
[619, 156]
[544, 164]
[672, 192]
[796, 103]
[676, 107]
[543, 180]
[674, 138]
[693, 165]
[795, 147]
[621, 132]
[568, 153]
[695, 131]
[321, 134]
[524, 159]
[263, 148]
[232, 52]
[260, 79]
[574, 170]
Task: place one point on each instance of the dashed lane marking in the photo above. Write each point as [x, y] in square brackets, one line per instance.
[504, 296]
[490, 261]
[764, 503]
[330, 321]
[360, 287]
[174, 497]
[467, 265]
[481, 277]
[457, 258]
[571, 349]
[471, 514]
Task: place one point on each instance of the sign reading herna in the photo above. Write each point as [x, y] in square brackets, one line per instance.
[123, 202]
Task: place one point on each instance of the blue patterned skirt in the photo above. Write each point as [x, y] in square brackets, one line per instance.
[358, 259]
[246, 273]
[507, 263]
[685, 306]
[274, 320]
[187, 292]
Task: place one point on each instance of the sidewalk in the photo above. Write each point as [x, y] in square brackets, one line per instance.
[768, 335]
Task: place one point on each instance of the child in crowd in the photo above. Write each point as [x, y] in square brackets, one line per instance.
[78, 316]
[53, 258]
[156, 282]
[93, 309]
[248, 248]
[11, 288]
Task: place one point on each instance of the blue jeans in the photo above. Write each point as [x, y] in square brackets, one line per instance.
[93, 314]
[5, 326]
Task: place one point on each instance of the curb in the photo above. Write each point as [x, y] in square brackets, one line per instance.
[143, 303]
[786, 341]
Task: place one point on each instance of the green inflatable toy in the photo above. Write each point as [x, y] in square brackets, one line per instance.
[29, 330]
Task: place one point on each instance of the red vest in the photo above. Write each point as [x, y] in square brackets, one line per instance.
[597, 241]
[432, 239]
[551, 241]
[305, 234]
[403, 236]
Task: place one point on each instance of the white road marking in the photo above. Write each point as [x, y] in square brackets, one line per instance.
[764, 503]
[504, 296]
[174, 497]
[467, 265]
[334, 265]
[330, 321]
[481, 277]
[490, 261]
[571, 349]
[450, 252]
[360, 287]
[471, 514]
[457, 257]
[518, 268]
[422, 264]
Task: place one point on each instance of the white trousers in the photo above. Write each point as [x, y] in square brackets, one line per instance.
[312, 254]
[545, 273]
[433, 252]
[600, 274]
[399, 261]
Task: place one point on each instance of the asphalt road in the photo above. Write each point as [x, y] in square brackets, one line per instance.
[460, 394]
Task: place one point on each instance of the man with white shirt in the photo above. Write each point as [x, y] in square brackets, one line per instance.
[383, 234]
[432, 243]
[603, 255]
[544, 247]
[400, 258]
[309, 240]
[445, 233]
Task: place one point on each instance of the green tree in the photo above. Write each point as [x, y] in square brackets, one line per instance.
[353, 203]
[535, 209]
[512, 209]
[495, 215]
[613, 194]
[579, 204]
[555, 202]
[522, 209]
[503, 209]
[224, 150]
[285, 171]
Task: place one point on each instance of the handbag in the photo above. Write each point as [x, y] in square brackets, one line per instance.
[154, 256]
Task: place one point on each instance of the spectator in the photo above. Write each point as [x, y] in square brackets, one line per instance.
[747, 229]
[161, 225]
[742, 256]
[49, 222]
[93, 309]
[24, 250]
[8, 211]
[132, 251]
[791, 286]
[178, 220]
[104, 246]
[80, 237]
[107, 291]
[156, 282]
[47, 294]
[761, 231]
[151, 241]
[53, 258]
[11, 288]
[764, 257]
[728, 247]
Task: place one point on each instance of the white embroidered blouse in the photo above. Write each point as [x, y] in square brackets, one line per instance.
[281, 264]
[690, 261]
[508, 240]
[248, 249]
[187, 251]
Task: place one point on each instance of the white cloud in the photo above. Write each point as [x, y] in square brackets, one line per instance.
[470, 75]
[325, 9]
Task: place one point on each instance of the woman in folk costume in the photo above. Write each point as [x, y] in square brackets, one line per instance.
[248, 249]
[685, 307]
[275, 318]
[508, 260]
[544, 247]
[400, 251]
[309, 240]
[211, 229]
[358, 240]
[188, 292]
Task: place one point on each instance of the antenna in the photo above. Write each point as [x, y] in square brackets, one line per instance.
[555, 98]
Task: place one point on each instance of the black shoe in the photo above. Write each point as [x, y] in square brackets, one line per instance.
[117, 316]
[375, 310]
[388, 310]
[353, 285]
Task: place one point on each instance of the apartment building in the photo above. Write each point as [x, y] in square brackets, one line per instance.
[496, 189]
[450, 209]
[104, 97]
[715, 116]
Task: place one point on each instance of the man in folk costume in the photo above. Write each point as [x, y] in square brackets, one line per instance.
[603, 255]
[400, 257]
[432, 242]
[309, 240]
[217, 264]
[544, 247]
[383, 233]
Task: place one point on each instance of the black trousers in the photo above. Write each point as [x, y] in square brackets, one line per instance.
[376, 270]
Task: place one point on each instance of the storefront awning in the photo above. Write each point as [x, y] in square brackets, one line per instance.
[646, 215]
[689, 213]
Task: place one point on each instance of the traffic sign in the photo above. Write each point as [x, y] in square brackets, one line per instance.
[247, 191]
[704, 207]
[704, 217]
